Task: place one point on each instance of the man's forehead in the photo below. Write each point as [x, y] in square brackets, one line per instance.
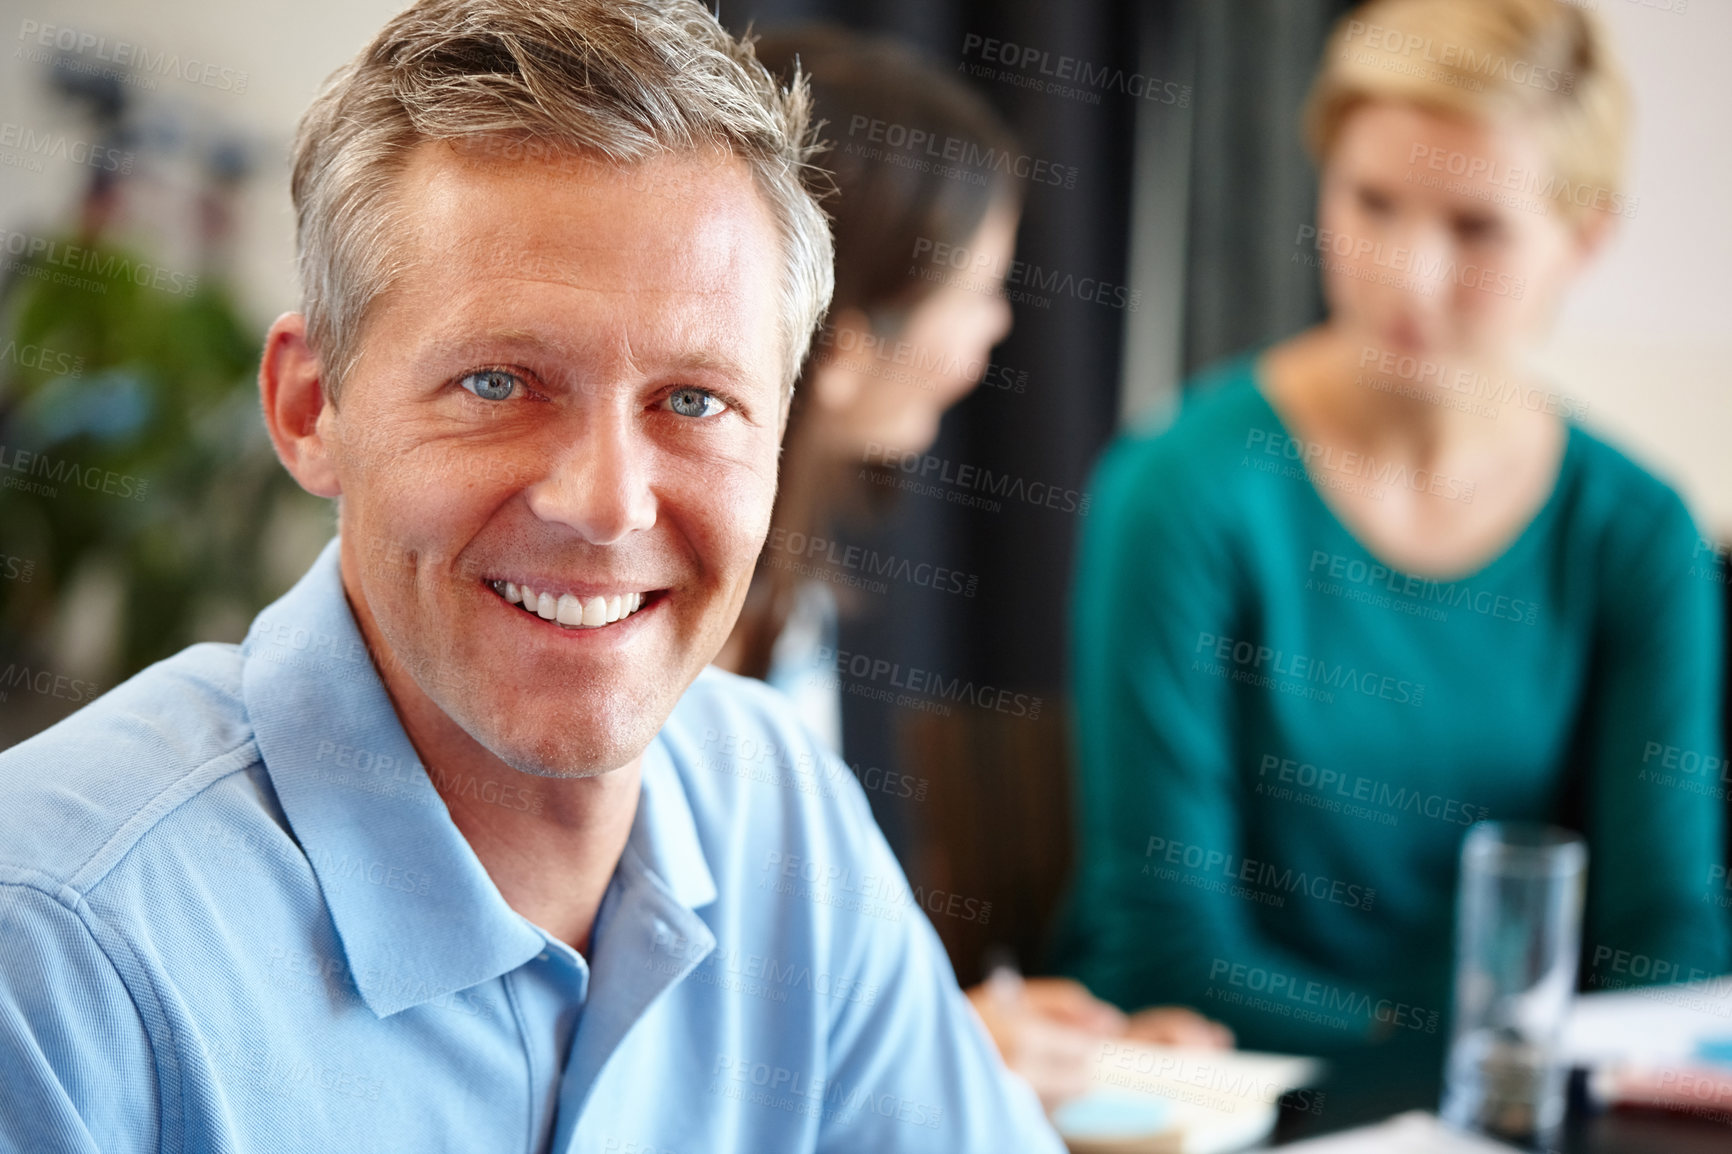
[667, 172]
[656, 185]
[684, 223]
[493, 239]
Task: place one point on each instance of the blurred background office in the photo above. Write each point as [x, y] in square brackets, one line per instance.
[148, 242]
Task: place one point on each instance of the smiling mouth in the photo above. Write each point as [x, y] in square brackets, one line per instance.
[569, 611]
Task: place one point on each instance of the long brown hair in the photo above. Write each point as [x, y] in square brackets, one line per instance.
[872, 96]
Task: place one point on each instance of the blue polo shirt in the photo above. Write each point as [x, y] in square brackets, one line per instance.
[235, 915]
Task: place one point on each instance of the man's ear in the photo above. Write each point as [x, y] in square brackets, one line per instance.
[293, 397]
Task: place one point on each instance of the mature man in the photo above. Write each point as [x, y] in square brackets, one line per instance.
[464, 849]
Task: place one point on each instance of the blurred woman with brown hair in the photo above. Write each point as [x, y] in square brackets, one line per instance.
[916, 158]
[919, 161]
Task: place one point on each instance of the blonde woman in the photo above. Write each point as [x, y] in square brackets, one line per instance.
[1376, 583]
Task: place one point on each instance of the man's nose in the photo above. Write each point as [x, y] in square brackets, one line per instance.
[598, 482]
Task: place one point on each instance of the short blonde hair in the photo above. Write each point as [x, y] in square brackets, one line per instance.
[1486, 60]
[618, 81]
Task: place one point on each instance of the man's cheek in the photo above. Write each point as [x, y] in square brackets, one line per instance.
[381, 464]
[745, 477]
[725, 513]
[744, 532]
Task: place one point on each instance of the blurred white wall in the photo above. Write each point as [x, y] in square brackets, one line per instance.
[1646, 339]
[286, 48]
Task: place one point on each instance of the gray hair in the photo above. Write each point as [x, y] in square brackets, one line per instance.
[616, 80]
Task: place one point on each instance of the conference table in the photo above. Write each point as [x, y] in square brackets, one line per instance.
[1361, 1090]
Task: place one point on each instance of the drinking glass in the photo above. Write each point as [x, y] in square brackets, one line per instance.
[1517, 940]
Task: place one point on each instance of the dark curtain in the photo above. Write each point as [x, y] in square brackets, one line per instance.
[1252, 185]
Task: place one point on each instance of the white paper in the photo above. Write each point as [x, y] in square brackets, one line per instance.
[1216, 1100]
[1654, 1025]
[1415, 1133]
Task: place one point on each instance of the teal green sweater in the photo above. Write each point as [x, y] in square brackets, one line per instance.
[1281, 740]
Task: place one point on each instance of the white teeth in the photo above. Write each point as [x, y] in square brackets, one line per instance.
[572, 611]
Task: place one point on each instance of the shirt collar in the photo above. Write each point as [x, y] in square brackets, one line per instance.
[665, 835]
[417, 915]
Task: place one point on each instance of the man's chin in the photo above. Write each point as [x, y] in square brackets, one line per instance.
[579, 743]
[563, 754]
[537, 766]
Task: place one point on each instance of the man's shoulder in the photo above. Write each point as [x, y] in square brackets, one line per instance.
[741, 749]
[84, 791]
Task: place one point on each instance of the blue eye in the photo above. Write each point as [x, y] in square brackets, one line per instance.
[695, 403]
[490, 384]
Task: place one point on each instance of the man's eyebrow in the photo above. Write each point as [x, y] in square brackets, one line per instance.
[713, 362]
[469, 344]
[710, 362]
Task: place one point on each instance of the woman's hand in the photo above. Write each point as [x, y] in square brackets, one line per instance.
[1068, 1003]
[1049, 1030]
[1177, 1026]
